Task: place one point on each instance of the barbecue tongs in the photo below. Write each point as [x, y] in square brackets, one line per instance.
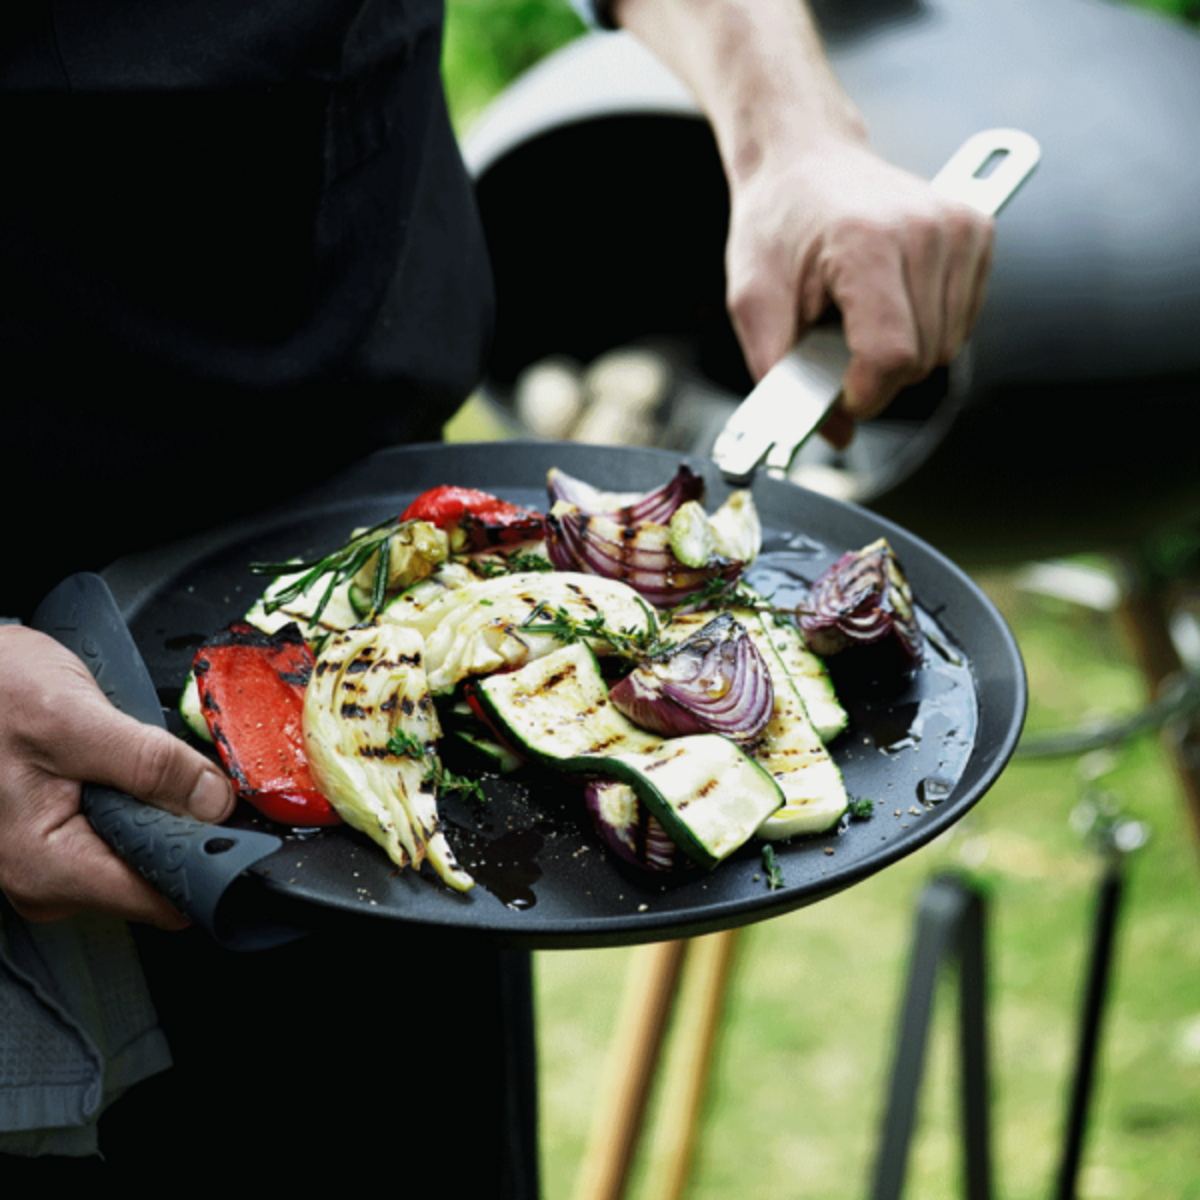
[794, 396]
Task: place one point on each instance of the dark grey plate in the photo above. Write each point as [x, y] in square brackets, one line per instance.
[924, 755]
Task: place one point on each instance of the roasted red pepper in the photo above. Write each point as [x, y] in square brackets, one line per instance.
[475, 520]
[252, 694]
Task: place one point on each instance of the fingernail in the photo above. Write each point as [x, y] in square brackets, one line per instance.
[209, 798]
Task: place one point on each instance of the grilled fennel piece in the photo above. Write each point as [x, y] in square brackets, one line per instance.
[503, 623]
[369, 694]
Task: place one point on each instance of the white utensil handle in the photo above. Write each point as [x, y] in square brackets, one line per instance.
[988, 168]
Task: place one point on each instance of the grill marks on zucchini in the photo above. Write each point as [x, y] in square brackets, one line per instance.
[792, 748]
[707, 794]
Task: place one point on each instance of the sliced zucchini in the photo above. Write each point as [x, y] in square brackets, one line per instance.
[495, 757]
[338, 615]
[191, 711]
[708, 795]
[809, 675]
[791, 748]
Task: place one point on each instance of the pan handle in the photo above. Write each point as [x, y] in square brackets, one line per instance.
[193, 864]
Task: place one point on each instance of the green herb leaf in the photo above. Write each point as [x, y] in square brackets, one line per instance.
[443, 781]
[635, 644]
[771, 866]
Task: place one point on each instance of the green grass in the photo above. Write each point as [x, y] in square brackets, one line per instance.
[794, 1106]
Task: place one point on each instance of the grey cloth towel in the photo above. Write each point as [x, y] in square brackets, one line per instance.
[77, 1028]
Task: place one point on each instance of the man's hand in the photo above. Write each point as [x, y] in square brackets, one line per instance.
[838, 226]
[817, 219]
[56, 729]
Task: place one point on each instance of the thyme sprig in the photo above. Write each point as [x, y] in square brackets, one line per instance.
[342, 564]
[627, 642]
[520, 562]
[771, 865]
[718, 594]
[442, 780]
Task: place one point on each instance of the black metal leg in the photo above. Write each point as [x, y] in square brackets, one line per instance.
[949, 923]
[1095, 995]
[520, 1171]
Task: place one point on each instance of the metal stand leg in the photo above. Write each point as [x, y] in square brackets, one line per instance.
[519, 1169]
[1095, 995]
[949, 924]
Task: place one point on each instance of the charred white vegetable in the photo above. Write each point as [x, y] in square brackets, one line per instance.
[511, 620]
[371, 730]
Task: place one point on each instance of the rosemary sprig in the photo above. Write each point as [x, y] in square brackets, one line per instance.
[631, 643]
[344, 563]
[443, 781]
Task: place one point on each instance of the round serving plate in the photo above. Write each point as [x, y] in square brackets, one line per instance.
[922, 753]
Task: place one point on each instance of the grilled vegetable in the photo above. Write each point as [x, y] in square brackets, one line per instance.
[411, 551]
[474, 519]
[505, 622]
[371, 732]
[628, 828]
[733, 532]
[639, 555]
[251, 691]
[714, 681]
[783, 649]
[319, 609]
[862, 601]
[790, 747]
[626, 508]
[707, 794]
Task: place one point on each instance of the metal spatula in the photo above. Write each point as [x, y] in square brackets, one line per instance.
[795, 396]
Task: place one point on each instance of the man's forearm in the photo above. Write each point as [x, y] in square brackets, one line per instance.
[756, 68]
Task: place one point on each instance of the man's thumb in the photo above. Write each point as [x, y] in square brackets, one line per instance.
[157, 768]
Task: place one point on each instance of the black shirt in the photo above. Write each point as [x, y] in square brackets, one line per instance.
[238, 250]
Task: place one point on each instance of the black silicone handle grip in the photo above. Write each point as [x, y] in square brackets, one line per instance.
[193, 864]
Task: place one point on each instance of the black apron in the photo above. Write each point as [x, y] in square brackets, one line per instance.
[238, 251]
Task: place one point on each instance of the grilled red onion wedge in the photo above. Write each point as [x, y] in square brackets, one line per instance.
[639, 555]
[629, 830]
[714, 681]
[864, 600]
[626, 508]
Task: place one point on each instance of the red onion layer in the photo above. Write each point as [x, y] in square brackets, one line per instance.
[712, 682]
[863, 599]
[639, 555]
[628, 829]
[626, 508]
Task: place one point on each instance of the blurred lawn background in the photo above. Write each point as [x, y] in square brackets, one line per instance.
[795, 1100]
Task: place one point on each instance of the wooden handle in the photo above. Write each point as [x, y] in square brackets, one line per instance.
[629, 1070]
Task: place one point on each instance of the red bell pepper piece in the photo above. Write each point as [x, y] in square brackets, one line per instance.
[475, 520]
[252, 695]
